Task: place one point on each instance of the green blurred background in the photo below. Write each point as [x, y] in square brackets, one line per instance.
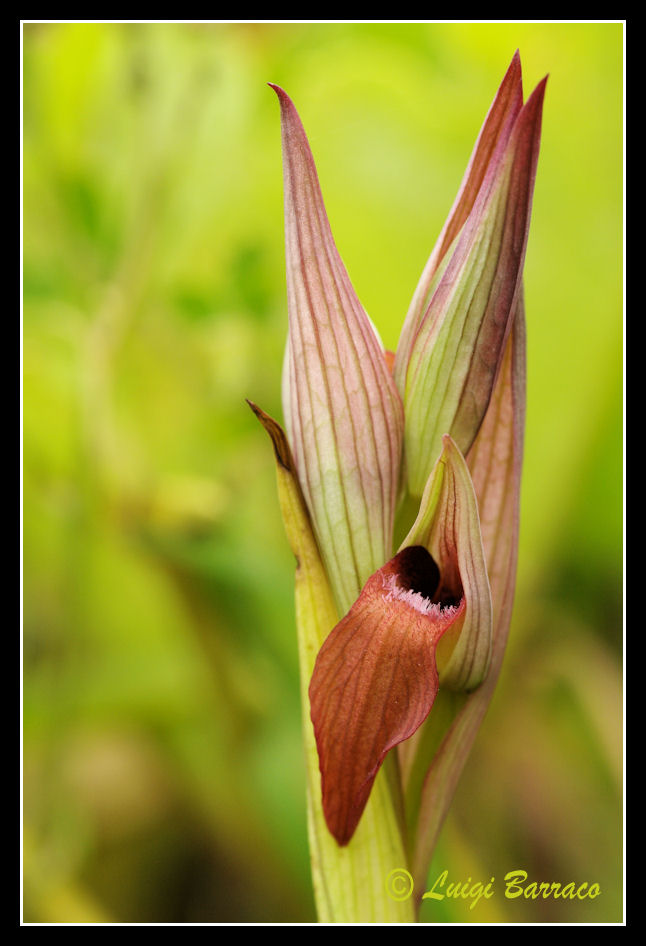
[163, 772]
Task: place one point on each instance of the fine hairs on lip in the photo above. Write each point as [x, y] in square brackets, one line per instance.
[415, 599]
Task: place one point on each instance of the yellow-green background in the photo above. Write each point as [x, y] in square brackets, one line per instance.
[163, 775]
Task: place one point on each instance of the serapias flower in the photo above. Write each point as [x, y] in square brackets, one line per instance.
[362, 436]
[426, 610]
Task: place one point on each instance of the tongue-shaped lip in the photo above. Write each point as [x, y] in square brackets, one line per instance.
[375, 680]
[423, 617]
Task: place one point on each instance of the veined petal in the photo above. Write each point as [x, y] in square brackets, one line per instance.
[457, 351]
[448, 526]
[496, 127]
[375, 681]
[495, 463]
[345, 414]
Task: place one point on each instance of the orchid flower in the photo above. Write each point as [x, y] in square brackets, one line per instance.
[400, 653]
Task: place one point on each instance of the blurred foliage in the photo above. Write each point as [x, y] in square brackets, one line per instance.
[163, 774]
